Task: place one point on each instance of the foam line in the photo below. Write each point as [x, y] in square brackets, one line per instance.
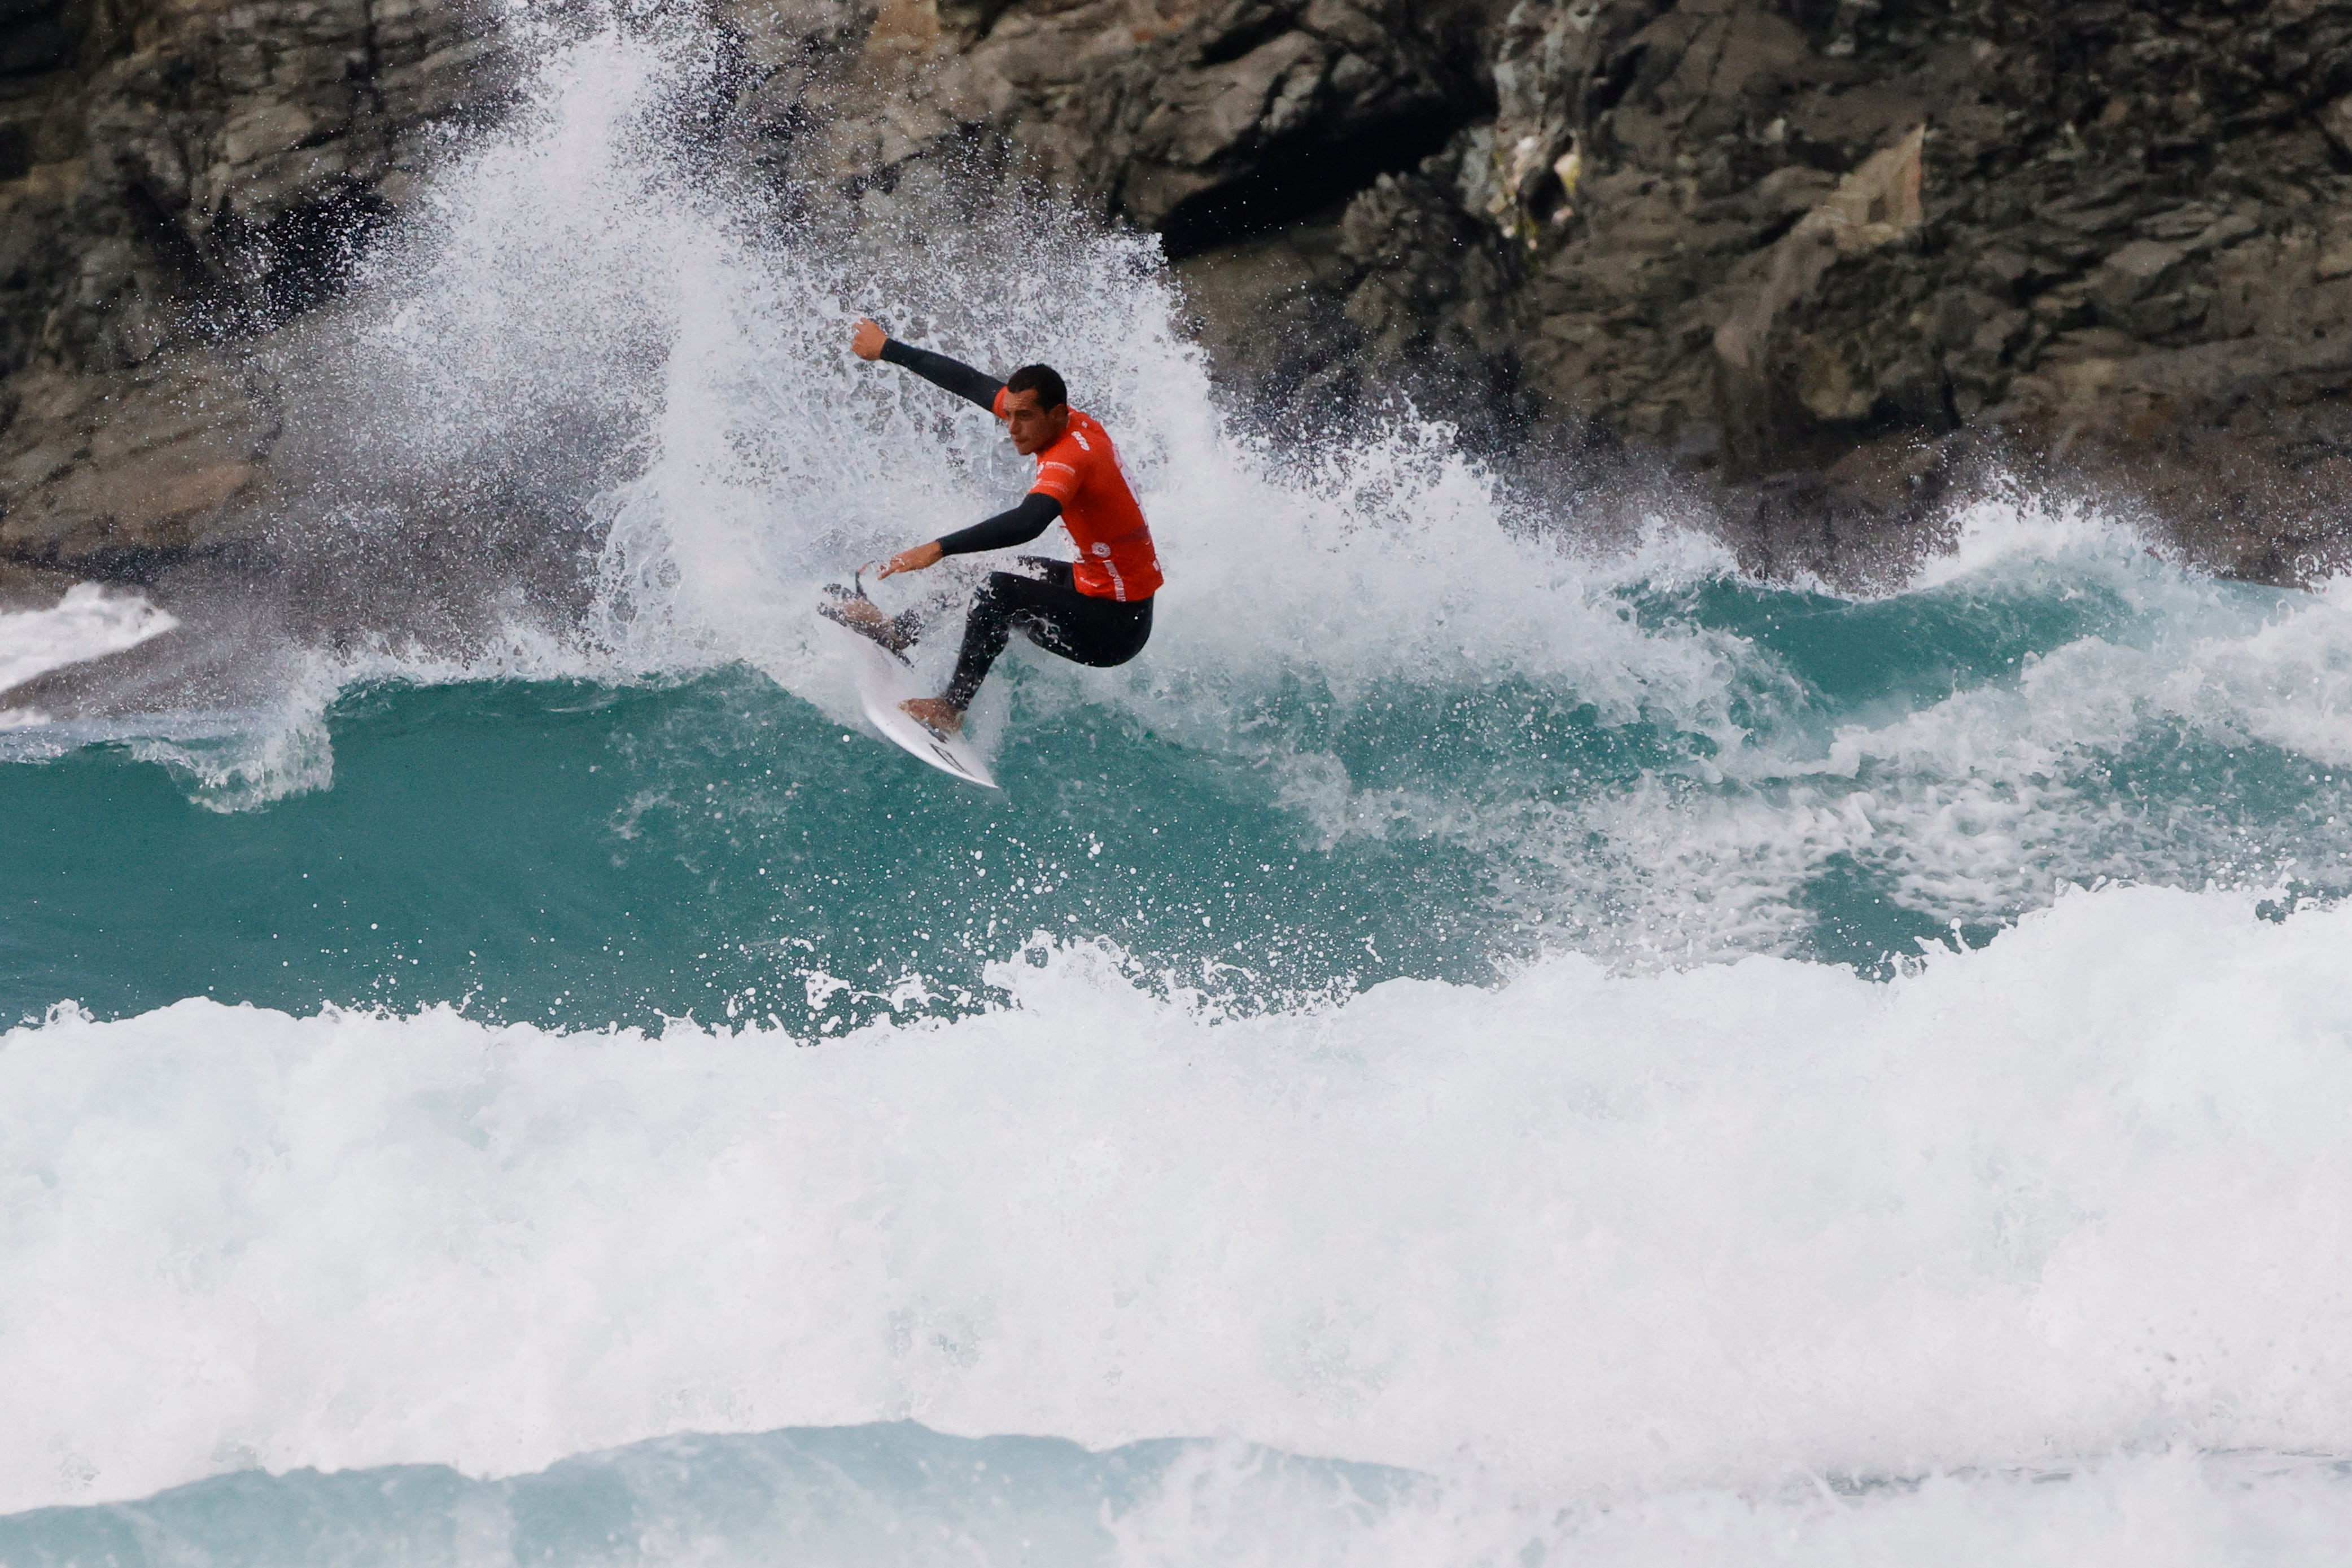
[2079, 1190]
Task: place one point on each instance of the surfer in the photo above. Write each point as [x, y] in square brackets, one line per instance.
[1096, 611]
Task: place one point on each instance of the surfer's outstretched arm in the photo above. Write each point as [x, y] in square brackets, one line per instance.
[1024, 522]
[869, 341]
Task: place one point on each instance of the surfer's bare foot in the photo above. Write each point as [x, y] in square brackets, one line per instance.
[935, 714]
[863, 616]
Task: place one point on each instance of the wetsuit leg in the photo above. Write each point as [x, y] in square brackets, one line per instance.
[1052, 613]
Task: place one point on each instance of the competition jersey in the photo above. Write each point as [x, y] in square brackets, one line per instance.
[1082, 471]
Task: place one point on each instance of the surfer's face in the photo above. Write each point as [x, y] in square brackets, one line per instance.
[1034, 428]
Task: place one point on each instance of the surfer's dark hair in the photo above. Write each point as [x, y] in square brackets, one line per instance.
[1043, 379]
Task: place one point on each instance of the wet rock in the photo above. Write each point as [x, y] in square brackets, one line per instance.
[175, 176]
[1784, 375]
[1263, 108]
[2116, 235]
[124, 474]
[1782, 247]
[1865, 519]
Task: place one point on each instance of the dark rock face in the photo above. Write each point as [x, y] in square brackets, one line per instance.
[1235, 124]
[1835, 258]
[2096, 237]
[179, 175]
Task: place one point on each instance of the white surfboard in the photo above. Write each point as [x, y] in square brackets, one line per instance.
[884, 680]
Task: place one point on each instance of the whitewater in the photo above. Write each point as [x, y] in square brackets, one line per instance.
[1497, 1040]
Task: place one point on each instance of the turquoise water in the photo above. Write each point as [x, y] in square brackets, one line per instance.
[584, 855]
[713, 846]
[869, 1495]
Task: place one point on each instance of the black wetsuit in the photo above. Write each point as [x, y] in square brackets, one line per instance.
[1046, 608]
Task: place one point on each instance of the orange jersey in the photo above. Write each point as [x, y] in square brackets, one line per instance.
[1082, 471]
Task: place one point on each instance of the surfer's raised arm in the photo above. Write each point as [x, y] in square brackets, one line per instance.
[867, 340]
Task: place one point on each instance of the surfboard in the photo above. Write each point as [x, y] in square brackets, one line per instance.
[884, 680]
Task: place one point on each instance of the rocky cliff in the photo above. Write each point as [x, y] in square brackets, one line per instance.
[1832, 261]
[177, 178]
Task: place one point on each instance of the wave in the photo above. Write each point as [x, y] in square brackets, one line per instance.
[2074, 1193]
[884, 1494]
[88, 623]
[1624, 749]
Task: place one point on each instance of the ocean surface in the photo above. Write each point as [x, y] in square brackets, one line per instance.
[1497, 1039]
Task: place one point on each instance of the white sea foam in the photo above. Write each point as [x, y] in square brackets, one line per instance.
[1966, 807]
[2161, 1510]
[1600, 1236]
[89, 622]
[2010, 527]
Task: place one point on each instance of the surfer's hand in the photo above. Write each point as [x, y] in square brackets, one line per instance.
[865, 339]
[914, 560]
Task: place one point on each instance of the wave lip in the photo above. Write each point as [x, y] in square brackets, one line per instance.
[88, 623]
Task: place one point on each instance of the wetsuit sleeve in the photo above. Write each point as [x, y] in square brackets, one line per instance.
[942, 371]
[1024, 522]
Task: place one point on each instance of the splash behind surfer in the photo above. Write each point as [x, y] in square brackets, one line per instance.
[1096, 611]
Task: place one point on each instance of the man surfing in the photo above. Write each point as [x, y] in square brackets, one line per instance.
[1096, 611]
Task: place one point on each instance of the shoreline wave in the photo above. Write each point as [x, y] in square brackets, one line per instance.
[897, 1492]
[2072, 1192]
